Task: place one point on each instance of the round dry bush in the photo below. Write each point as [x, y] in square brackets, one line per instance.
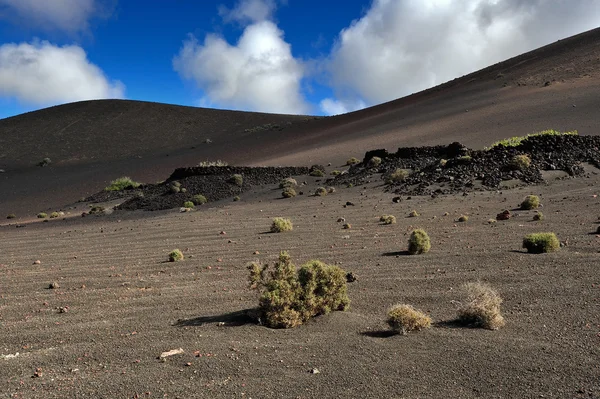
[481, 307]
[405, 318]
[175, 255]
[538, 216]
[419, 242]
[520, 162]
[538, 243]
[317, 173]
[352, 161]
[374, 162]
[11, 216]
[199, 199]
[175, 189]
[54, 215]
[42, 215]
[288, 193]
[530, 202]
[388, 219]
[321, 191]
[188, 204]
[397, 176]
[281, 225]
[236, 198]
[237, 179]
[288, 182]
[335, 173]
[463, 218]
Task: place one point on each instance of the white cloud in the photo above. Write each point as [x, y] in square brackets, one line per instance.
[249, 11]
[331, 106]
[67, 15]
[258, 73]
[403, 46]
[43, 74]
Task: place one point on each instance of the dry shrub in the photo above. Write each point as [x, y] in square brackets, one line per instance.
[481, 307]
[175, 255]
[288, 192]
[199, 199]
[419, 242]
[538, 216]
[405, 318]
[321, 191]
[387, 219]
[374, 162]
[352, 161]
[413, 214]
[397, 176]
[280, 225]
[288, 182]
[289, 297]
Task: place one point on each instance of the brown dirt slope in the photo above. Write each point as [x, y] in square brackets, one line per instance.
[93, 142]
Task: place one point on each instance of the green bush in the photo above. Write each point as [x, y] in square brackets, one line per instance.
[374, 162]
[481, 307]
[538, 216]
[237, 179]
[236, 198]
[288, 182]
[199, 199]
[290, 297]
[288, 193]
[188, 204]
[42, 215]
[335, 173]
[465, 159]
[397, 176]
[321, 191]
[281, 225]
[388, 219]
[11, 216]
[537, 243]
[122, 183]
[175, 189]
[405, 318]
[414, 214]
[530, 202]
[520, 162]
[316, 173]
[419, 242]
[54, 215]
[516, 141]
[352, 161]
[175, 255]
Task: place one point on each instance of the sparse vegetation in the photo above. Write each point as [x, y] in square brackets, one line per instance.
[199, 199]
[206, 164]
[397, 176]
[443, 162]
[54, 215]
[321, 191]
[352, 161]
[374, 162]
[463, 218]
[188, 204]
[175, 255]
[122, 183]
[419, 242]
[465, 159]
[44, 162]
[289, 192]
[481, 307]
[537, 243]
[96, 210]
[175, 189]
[413, 214]
[290, 297]
[388, 219]
[538, 216]
[237, 179]
[236, 198]
[530, 202]
[281, 225]
[405, 318]
[346, 226]
[11, 216]
[42, 215]
[316, 173]
[288, 182]
[520, 162]
[515, 141]
[335, 173]
[330, 190]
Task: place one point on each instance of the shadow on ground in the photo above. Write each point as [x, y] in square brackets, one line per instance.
[237, 318]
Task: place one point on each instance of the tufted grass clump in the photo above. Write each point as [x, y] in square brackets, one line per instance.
[387, 219]
[175, 255]
[419, 242]
[413, 214]
[288, 182]
[54, 215]
[374, 162]
[352, 161]
[520, 162]
[404, 318]
[11, 216]
[481, 307]
[335, 173]
[122, 183]
[316, 171]
[530, 202]
[289, 296]
[188, 204]
[236, 198]
[538, 243]
[281, 225]
[321, 191]
[539, 216]
[42, 215]
[397, 176]
[237, 179]
[516, 141]
[289, 192]
[463, 218]
[199, 199]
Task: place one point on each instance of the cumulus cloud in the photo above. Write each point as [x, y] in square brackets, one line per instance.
[41, 73]
[249, 11]
[258, 73]
[67, 15]
[400, 47]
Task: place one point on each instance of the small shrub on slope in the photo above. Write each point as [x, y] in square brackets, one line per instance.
[419, 242]
[122, 183]
[199, 199]
[538, 243]
[388, 219]
[481, 307]
[405, 318]
[281, 225]
[530, 202]
[175, 255]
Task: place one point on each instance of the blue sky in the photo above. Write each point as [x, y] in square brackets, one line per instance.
[293, 56]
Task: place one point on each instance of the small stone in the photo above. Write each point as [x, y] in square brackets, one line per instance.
[256, 253]
[341, 220]
[350, 277]
[314, 371]
[222, 233]
[37, 262]
[53, 285]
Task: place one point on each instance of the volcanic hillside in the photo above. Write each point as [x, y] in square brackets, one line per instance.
[91, 143]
